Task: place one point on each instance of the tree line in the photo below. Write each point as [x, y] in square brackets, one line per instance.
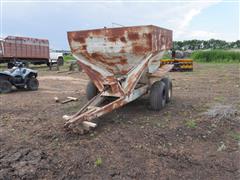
[205, 44]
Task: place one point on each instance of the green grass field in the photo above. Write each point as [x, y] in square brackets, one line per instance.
[213, 56]
[216, 56]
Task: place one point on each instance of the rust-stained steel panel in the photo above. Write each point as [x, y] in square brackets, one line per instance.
[118, 50]
[24, 48]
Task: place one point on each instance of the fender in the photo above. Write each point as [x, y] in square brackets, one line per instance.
[5, 76]
[30, 73]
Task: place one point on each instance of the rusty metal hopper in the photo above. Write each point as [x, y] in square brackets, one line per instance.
[121, 62]
[114, 52]
[118, 50]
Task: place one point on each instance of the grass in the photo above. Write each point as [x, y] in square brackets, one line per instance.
[216, 56]
[219, 98]
[68, 58]
[191, 124]
[235, 135]
[166, 56]
[98, 162]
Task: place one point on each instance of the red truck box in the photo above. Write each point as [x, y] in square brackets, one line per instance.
[24, 48]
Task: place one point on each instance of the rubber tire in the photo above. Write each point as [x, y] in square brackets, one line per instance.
[168, 83]
[158, 96]
[60, 61]
[7, 86]
[91, 90]
[32, 84]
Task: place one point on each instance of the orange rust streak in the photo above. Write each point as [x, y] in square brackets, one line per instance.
[139, 49]
[112, 81]
[112, 39]
[133, 36]
[105, 109]
[123, 39]
[93, 75]
[134, 77]
[98, 80]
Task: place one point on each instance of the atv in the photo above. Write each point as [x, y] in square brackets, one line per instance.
[20, 77]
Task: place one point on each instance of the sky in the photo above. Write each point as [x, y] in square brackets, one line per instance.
[189, 19]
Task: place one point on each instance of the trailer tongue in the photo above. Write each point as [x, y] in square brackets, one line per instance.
[122, 63]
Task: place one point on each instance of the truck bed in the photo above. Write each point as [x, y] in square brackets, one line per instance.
[23, 48]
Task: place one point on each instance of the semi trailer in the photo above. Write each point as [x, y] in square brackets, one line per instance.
[28, 50]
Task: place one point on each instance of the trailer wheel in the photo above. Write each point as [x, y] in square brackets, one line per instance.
[91, 90]
[158, 95]
[32, 84]
[168, 84]
[5, 86]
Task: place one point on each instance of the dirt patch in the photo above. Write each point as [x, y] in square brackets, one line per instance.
[133, 142]
[23, 163]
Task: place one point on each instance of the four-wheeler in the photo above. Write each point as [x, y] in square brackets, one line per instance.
[20, 77]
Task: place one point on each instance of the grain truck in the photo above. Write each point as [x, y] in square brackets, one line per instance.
[28, 50]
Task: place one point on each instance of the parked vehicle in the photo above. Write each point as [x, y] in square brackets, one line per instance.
[20, 77]
[28, 50]
[182, 65]
[56, 58]
[123, 64]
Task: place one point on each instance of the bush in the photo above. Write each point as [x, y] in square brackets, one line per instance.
[68, 58]
[216, 56]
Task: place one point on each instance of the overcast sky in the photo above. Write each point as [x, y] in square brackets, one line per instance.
[188, 20]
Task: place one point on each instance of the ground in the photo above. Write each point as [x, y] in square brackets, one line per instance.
[190, 139]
